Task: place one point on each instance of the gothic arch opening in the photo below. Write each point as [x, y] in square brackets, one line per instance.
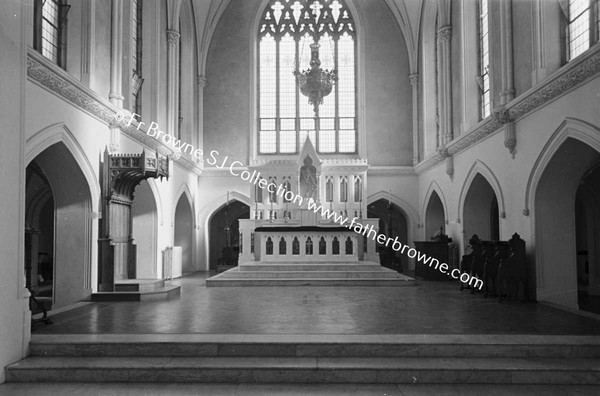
[58, 223]
[144, 231]
[393, 223]
[184, 233]
[435, 217]
[224, 232]
[567, 222]
[480, 211]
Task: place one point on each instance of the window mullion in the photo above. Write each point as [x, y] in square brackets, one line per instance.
[277, 93]
[336, 120]
[297, 58]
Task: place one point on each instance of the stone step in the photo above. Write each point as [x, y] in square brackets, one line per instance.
[307, 370]
[304, 274]
[308, 267]
[139, 285]
[162, 293]
[273, 345]
[229, 282]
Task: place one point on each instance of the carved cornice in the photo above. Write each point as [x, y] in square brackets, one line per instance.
[57, 81]
[391, 171]
[559, 83]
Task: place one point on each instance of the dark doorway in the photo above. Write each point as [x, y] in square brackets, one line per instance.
[224, 232]
[392, 223]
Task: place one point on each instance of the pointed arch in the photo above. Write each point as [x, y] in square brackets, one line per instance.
[185, 189]
[401, 15]
[208, 211]
[434, 187]
[569, 128]
[479, 167]
[411, 214]
[56, 133]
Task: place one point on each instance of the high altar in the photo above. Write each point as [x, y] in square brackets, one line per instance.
[283, 230]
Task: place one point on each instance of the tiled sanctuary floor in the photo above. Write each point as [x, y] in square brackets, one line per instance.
[429, 308]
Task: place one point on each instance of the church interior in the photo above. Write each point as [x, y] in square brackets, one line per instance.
[193, 191]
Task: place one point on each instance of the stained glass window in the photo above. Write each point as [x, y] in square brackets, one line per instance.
[484, 60]
[286, 119]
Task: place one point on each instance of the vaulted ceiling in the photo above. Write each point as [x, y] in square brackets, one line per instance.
[208, 12]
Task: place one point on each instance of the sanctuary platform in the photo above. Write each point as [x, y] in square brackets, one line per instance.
[299, 237]
[364, 273]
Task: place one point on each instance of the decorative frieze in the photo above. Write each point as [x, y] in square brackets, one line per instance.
[568, 77]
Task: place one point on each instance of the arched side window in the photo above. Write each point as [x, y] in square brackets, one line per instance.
[285, 118]
[349, 245]
[282, 246]
[343, 189]
[357, 189]
[269, 246]
[309, 246]
[335, 246]
[49, 36]
[484, 60]
[295, 246]
[322, 246]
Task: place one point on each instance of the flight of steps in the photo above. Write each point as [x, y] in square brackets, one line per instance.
[363, 273]
[271, 358]
[139, 290]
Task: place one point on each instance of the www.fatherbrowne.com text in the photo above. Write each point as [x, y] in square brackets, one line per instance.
[236, 168]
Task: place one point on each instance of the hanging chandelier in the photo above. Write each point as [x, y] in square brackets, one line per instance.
[315, 83]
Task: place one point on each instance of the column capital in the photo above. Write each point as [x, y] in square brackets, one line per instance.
[201, 81]
[445, 33]
[414, 79]
[173, 37]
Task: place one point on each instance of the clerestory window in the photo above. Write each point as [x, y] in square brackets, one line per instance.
[583, 26]
[50, 28]
[285, 118]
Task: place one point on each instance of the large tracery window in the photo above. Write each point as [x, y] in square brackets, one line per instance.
[285, 118]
